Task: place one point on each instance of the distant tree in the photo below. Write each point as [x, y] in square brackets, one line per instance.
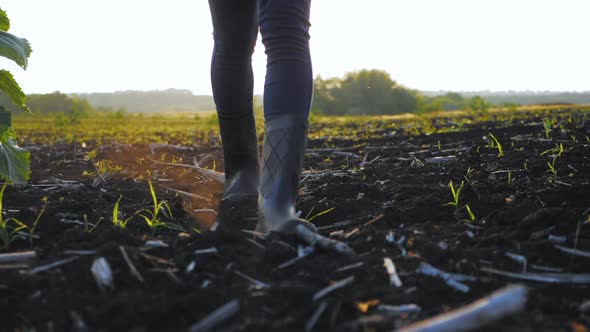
[478, 105]
[323, 100]
[363, 92]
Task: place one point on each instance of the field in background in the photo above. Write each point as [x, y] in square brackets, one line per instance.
[187, 128]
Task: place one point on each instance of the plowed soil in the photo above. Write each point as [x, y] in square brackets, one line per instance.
[384, 191]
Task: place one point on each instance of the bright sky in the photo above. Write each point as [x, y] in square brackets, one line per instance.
[108, 45]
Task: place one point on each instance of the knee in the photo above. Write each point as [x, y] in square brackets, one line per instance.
[284, 26]
[236, 45]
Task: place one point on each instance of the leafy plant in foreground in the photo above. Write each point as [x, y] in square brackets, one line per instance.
[14, 161]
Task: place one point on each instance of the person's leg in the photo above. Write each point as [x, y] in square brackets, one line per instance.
[288, 89]
[235, 28]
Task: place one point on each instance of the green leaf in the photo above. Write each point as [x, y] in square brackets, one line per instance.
[4, 21]
[13, 90]
[15, 163]
[15, 48]
[5, 121]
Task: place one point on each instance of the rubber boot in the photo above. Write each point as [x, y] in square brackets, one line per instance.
[242, 168]
[284, 147]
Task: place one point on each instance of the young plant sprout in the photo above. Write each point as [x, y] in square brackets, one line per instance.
[557, 150]
[496, 144]
[8, 234]
[308, 218]
[470, 212]
[547, 127]
[552, 168]
[152, 217]
[36, 222]
[469, 176]
[116, 221]
[11, 228]
[456, 192]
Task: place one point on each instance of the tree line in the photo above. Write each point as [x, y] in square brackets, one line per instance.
[360, 92]
[375, 92]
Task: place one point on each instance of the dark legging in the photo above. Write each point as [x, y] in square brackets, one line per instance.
[284, 26]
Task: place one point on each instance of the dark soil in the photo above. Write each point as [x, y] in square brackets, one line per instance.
[382, 183]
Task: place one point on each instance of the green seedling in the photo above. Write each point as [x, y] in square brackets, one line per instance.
[525, 165]
[509, 177]
[456, 192]
[469, 176]
[557, 150]
[552, 168]
[36, 222]
[547, 127]
[152, 217]
[308, 218]
[520, 149]
[119, 223]
[470, 212]
[495, 143]
[87, 227]
[8, 234]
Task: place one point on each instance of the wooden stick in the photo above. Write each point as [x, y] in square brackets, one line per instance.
[79, 252]
[313, 238]
[217, 317]
[187, 194]
[14, 267]
[432, 271]
[504, 302]
[350, 267]
[399, 309]
[50, 266]
[132, 268]
[573, 251]
[17, 256]
[255, 282]
[100, 177]
[565, 278]
[207, 173]
[316, 316]
[327, 290]
[518, 258]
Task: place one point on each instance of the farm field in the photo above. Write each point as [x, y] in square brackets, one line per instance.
[491, 199]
